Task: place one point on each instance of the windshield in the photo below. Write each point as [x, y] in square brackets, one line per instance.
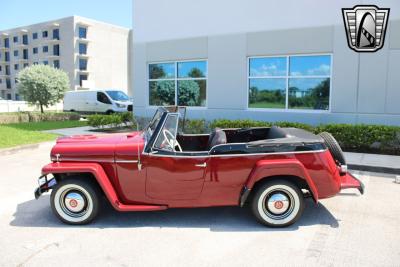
[118, 95]
[153, 123]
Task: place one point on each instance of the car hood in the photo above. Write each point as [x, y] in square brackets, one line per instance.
[93, 148]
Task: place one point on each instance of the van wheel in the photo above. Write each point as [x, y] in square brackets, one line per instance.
[278, 203]
[75, 201]
[109, 112]
[72, 110]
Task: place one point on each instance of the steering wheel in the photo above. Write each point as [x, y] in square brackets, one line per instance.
[171, 140]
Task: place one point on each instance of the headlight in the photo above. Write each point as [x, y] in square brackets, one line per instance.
[121, 105]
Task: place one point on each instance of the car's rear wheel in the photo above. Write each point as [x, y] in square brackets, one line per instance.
[278, 203]
[75, 201]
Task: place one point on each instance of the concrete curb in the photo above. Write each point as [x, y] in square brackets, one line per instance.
[14, 150]
[379, 169]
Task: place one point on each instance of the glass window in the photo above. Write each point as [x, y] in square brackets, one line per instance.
[267, 93]
[45, 62]
[310, 93]
[56, 64]
[7, 56]
[45, 49]
[16, 66]
[35, 50]
[192, 93]
[82, 32]
[266, 67]
[45, 34]
[15, 53]
[117, 95]
[162, 93]
[15, 39]
[303, 84]
[25, 53]
[25, 39]
[169, 131]
[82, 64]
[34, 35]
[310, 65]
[26, 65]
[192, 69]
[7, 70]
[6, 42]
[9, 95]
[82, 78]
[56, 50]
[162, 70]
[1, 81]
[82, 49]
[103, 98]
[17, 97]
[8, 83]
[189, 88]
[56, 34]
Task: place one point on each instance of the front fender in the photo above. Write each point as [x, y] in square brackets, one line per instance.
[94, 168]
[278, 167]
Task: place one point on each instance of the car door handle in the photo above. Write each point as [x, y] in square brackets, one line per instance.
[202, 165]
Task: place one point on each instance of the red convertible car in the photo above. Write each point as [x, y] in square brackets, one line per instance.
[270, 168]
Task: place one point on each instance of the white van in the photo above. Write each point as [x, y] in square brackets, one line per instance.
[97, 101]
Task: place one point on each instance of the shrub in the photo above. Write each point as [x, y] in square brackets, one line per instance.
[17, 117]
[195, 126]
[114, 120]
[359, 138]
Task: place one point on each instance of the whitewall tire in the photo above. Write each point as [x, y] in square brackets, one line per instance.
[75, 201]
[278, 203]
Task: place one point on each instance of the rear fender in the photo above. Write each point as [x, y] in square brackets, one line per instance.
[94, 168]
[278, 167]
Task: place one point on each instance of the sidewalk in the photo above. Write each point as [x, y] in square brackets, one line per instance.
[373, 162]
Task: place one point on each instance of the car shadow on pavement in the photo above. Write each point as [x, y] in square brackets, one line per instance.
[37, 213]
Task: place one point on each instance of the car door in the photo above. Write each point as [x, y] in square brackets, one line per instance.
[102, 103]
[173, 175]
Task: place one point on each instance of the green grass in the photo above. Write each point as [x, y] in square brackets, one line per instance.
[16, 134]
[267, 105]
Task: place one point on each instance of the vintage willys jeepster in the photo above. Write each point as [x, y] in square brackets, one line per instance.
[270, 168]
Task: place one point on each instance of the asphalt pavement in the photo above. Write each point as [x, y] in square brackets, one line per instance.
[347, 230]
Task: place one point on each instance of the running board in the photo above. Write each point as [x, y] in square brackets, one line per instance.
[123, 207]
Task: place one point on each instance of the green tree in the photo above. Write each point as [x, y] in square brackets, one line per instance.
[189, 93]
[42, 85]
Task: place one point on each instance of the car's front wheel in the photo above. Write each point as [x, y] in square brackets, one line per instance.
[75, 201]
[278, 203]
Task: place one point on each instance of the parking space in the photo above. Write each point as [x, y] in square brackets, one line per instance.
[349, 229]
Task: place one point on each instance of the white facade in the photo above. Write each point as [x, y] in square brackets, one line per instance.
[228, 35]
[93, 53]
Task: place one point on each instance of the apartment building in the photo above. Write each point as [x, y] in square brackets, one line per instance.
[93, 53]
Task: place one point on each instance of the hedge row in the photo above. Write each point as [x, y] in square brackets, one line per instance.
[115, 120]
[358, 138]
[17, 117]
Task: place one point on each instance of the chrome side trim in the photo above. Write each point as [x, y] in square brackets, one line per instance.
[126, 161]
[61, 159]
[237, 155]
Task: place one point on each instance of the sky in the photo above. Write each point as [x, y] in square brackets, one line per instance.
[16, 13]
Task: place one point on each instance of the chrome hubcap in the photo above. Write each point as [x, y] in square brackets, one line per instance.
[278, 203]
[74, 202]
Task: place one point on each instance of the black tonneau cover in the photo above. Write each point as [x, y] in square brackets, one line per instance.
[293, 136]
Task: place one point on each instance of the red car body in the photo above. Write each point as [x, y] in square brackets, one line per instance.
[134, 178]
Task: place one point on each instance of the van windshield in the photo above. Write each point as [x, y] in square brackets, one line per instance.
[118, 95]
